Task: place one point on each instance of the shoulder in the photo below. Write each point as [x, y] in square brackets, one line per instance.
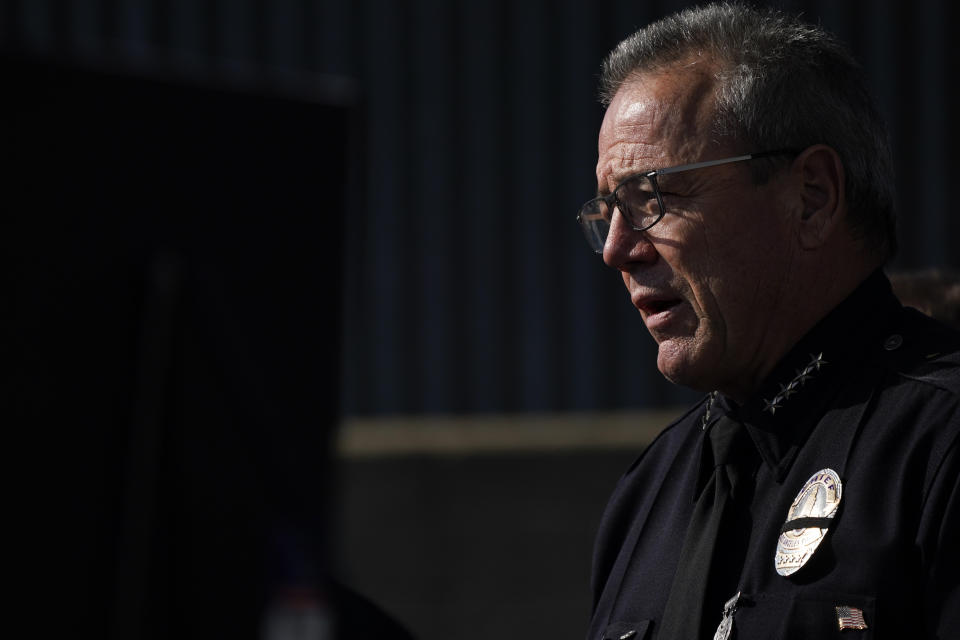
[923, 351]
[913, 419]
[667, 456]
[673, 438]
[659, 472]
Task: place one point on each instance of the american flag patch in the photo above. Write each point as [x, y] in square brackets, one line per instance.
[850, 618]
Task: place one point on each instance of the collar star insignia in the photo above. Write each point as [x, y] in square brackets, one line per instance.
[706, 414]
[817, 361]
[789, 389]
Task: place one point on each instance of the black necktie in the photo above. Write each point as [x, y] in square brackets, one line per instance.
[716, 540]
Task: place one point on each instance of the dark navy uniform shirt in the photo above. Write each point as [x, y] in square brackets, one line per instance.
[882, 409]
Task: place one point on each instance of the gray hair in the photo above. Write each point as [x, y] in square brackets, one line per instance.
[782, 84]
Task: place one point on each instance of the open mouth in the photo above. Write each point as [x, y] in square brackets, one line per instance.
[654, 307]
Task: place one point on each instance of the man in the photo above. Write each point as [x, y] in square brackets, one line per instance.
[814, 489]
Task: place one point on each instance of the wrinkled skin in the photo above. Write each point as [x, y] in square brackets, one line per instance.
[711, 280]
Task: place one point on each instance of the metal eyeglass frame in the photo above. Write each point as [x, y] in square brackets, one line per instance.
[613, 202]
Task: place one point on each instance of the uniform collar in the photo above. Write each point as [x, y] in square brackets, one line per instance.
[795, 396]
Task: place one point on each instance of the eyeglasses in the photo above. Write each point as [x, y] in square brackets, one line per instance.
[639, 200]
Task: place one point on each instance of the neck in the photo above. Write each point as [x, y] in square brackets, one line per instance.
[804, 302]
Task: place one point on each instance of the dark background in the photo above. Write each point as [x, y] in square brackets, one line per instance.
[179, 382]
[238, 225]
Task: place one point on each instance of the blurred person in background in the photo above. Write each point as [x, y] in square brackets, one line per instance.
[934, 291]
[745, 196]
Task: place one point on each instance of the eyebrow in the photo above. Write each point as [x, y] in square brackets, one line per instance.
[619, 180]
[683, 168]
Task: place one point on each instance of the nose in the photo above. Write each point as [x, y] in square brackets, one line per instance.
[625, 245]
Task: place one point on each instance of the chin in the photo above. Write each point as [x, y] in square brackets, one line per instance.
[684, 365]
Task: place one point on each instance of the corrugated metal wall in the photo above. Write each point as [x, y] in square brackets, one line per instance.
[469, 287]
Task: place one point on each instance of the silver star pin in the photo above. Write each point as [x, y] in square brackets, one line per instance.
[706, 414]
[817, 361]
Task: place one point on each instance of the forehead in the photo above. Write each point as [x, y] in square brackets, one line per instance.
[655, 120]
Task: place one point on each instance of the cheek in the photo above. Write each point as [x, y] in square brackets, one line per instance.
[726, 268]
[733, 294]
[699, 273]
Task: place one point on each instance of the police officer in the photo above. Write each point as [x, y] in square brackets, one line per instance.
[745, 197]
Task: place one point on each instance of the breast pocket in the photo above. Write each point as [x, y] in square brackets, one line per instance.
[627, 630]
[808, 615]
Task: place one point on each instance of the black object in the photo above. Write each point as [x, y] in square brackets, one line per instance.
[176, 274]
[715, 536]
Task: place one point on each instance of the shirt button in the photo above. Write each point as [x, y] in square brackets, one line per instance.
[893, 342]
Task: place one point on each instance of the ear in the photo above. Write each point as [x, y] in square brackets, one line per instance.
[820, 175]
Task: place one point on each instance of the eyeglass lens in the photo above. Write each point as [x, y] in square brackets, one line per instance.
[634, 197]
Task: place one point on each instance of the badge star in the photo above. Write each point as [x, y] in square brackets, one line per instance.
[817, 361]
[787, 390]
[803, 376]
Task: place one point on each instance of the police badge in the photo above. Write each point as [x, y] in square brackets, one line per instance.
[808, 520]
